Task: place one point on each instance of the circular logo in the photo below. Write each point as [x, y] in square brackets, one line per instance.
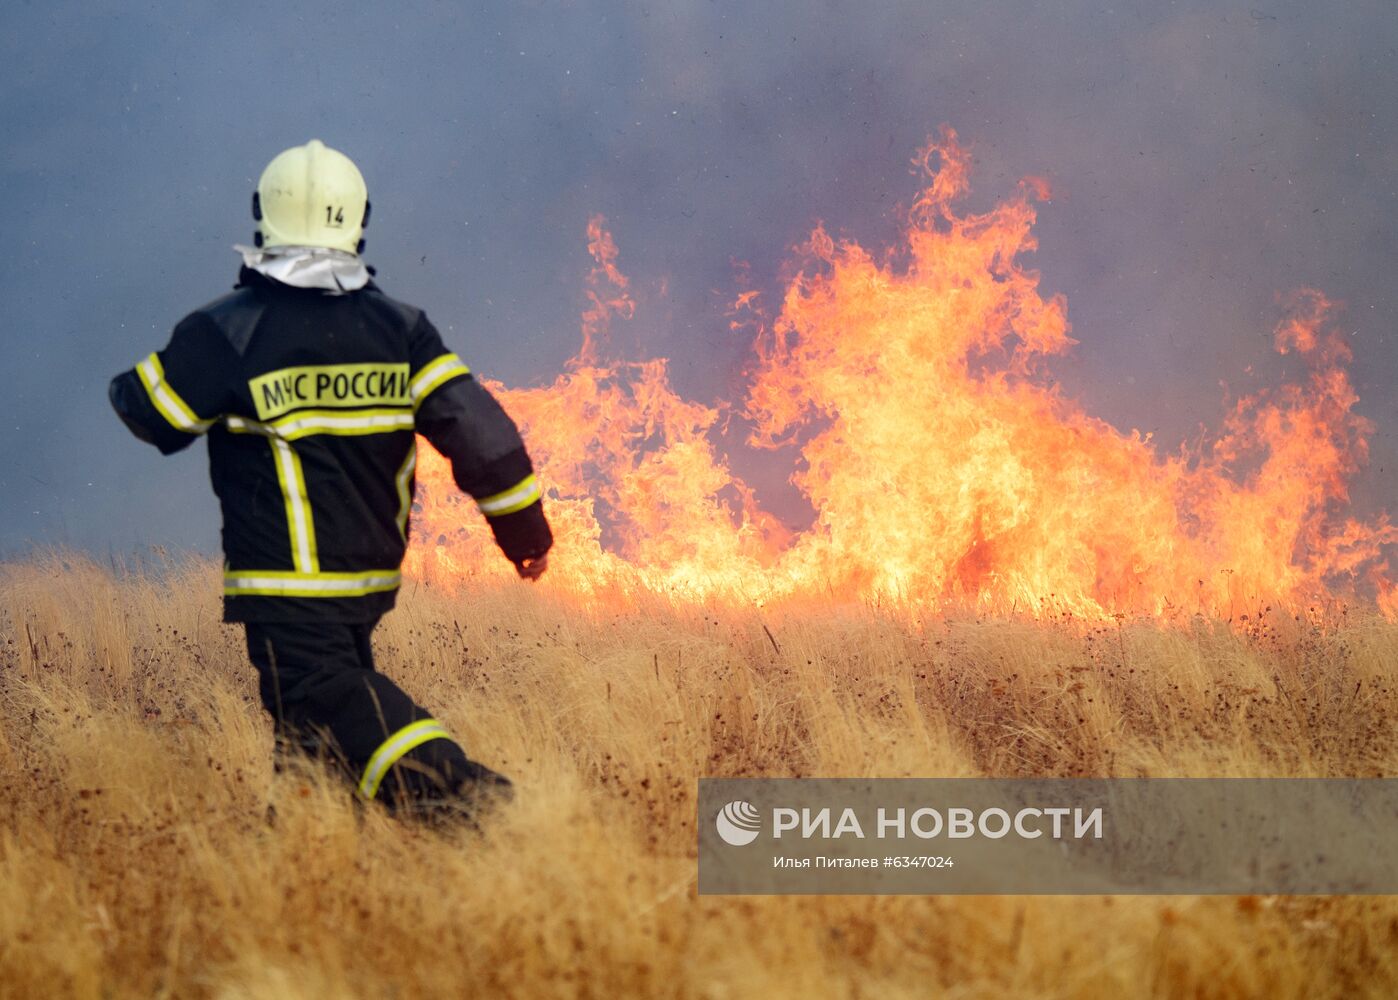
[738, 823]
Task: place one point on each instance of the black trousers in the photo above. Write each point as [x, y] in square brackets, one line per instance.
[317, 679]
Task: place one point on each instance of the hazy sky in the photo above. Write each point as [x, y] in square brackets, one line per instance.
[1205, 157]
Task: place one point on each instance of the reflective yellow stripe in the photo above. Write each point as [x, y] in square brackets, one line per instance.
[340, 423]
[391, 750]
[167, 400]
[289, 583]
[404, 480]
[298, 508]
[434, 373]
[517, 497]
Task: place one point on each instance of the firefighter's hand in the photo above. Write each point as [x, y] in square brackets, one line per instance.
[532, 569]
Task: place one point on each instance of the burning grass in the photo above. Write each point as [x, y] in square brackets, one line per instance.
[135, 859]
[940, 461]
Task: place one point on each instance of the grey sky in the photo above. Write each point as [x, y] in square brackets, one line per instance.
[1205, 157]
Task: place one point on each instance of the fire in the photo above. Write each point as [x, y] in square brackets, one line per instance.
[941, 463]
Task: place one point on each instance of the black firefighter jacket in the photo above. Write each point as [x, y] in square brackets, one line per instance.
[310, 401]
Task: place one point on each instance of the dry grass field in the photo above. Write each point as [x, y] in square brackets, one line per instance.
[136, 859]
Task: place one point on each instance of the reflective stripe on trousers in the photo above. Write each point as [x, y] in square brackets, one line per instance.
[391, 750]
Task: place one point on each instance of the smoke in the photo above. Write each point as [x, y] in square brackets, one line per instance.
[1204, 160]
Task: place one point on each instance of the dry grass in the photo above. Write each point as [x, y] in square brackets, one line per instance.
[134, 778]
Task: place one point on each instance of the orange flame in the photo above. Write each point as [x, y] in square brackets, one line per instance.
[941, 462]
[604, 304]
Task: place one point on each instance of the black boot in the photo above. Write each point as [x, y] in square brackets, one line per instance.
[476, 792]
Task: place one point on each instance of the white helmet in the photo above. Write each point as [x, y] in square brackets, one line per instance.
[311, 196]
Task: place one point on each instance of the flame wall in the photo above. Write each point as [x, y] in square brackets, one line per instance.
[941, 462]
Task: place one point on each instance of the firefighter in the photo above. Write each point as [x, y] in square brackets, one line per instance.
[310, 384]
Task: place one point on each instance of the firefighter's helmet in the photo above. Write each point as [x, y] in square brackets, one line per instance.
[311, 196]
